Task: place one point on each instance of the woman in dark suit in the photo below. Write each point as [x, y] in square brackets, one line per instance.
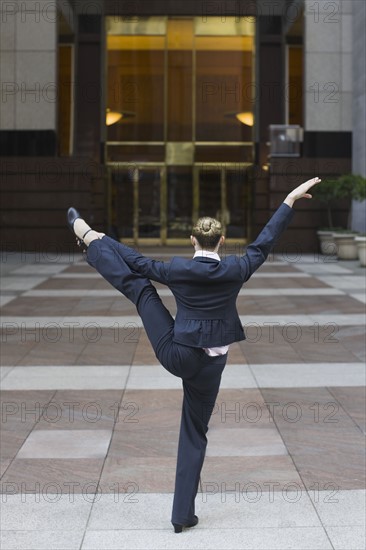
[194, 346]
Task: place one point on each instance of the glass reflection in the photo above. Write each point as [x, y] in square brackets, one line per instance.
[180, 193]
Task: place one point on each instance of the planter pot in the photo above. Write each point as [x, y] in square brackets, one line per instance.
[346, 246]
[327, 243]
[361, 249]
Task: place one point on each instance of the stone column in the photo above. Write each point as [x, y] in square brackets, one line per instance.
[359, 107]
[328, 65]
[28, 46]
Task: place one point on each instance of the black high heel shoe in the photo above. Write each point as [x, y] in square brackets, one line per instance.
[178, 528]
[71, 216]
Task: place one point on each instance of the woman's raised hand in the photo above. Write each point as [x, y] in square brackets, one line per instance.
[301, 192]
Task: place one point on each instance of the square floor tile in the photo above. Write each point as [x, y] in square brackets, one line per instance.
[75, 377]
[352, 282]
[252, 473]
[61, 476]
[42, 512]
[41, 540]
[352, 538]
[20, 283]
[11, 442]
[144, 442]
[237, 376]
[150, 410]
[39, 269]
[66, 444]
[245, 442]
[153, 377]
[6, 299]
[240, 409]
[4, 371]
[352, 400]
[309, 374]
[361, 297]
[4, 464]
[131, 511]
[142, 474]
[338, 508]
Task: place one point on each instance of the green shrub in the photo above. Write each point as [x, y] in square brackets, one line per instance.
[348, 186]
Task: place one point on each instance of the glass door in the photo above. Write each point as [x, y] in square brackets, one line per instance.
[179, 203]
[136, 213]
[175, 89]
[224, 192]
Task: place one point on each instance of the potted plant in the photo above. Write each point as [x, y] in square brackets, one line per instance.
[348, 186]
[361, 248]
[326, 195]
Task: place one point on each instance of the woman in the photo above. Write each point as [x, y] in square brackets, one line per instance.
[195, 345]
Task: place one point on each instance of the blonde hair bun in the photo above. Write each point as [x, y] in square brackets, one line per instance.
[207, 232]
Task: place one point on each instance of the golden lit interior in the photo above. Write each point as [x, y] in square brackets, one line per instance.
[135, 43]
[179, 98]
[225, 43]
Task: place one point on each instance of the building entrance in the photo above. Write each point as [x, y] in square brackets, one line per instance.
[180, 120]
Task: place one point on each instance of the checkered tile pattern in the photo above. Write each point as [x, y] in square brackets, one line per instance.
[90, 419]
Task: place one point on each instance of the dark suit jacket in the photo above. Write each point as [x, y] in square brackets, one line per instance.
[205, 289]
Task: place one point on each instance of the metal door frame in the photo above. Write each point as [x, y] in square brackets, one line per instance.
[196, 168]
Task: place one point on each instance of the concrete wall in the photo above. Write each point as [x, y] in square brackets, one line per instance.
[328, 65]
[28, 64]
[359, 107]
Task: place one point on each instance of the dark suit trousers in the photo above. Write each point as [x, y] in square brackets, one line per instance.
[200, 373]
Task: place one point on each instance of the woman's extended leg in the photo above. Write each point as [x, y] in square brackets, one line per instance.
[157, 321]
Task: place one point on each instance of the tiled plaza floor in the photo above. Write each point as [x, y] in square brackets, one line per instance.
[90, 420]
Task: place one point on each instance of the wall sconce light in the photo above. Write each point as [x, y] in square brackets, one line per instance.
[112, 117]
[245, 117]
[115, 116]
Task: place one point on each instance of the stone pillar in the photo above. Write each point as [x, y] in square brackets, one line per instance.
[359, 107]
[328, 66]
[28, 47]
